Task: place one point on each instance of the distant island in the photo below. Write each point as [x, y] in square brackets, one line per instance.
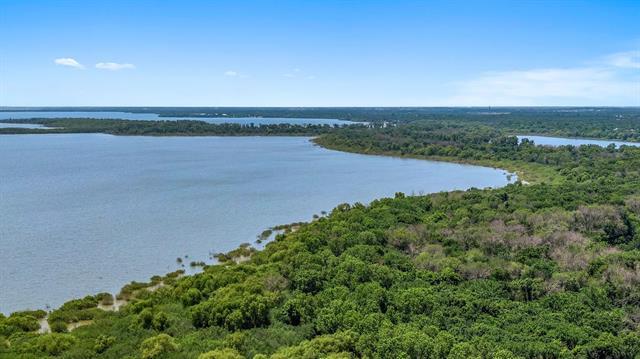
[160, 128]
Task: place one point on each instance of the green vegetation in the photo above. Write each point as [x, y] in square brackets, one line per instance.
[243, 252]
[162, 128]
[601, 122]
[443, 141]
[25, 321]
[591, 122]
[546, 270]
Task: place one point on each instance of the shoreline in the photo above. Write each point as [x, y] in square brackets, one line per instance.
[524, 175]
[312, 139]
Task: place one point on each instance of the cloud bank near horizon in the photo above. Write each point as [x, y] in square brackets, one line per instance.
[612, 81]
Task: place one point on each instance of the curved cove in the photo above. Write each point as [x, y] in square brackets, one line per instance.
[86, 213]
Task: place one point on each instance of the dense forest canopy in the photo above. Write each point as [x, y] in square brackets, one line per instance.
[548, 269]
[162, 128]
[620, 123]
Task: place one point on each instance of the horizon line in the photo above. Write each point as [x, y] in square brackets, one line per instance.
[3, 107]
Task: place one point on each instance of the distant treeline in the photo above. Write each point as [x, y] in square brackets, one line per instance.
[163, 128]
[622, 123]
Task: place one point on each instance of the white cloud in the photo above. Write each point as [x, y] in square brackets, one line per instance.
[68, 61]
[605, 84]
[231, 73]
[629, 59]
[114, 66]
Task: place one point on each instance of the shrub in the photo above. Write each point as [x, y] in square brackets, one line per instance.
[26, 323]
[58, 326]
[38, 314]
[103, 342]
[105, 298]
[55, 343]
[226, 353]
[155, 346]
[145, 318]
[191, 297]
[160, 321]
[4, 343]
[319, 347]
[239, 311]
[463, 351]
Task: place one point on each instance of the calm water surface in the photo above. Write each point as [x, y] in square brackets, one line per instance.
[6, 115]
[20, 125]
[87, 213]
[562, 141]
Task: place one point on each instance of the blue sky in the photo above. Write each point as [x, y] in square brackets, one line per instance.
[319, 53]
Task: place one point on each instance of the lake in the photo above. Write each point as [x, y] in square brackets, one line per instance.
[87, 213]
[7, 115]
[562, 141]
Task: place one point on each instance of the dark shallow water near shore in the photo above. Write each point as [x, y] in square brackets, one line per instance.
[86, 213]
